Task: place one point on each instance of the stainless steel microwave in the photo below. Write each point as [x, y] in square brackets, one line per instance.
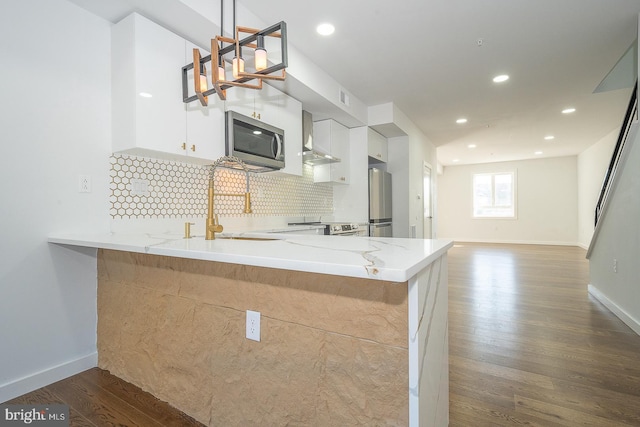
[259, 145]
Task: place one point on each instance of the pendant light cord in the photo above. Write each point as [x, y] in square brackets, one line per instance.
[222, 18]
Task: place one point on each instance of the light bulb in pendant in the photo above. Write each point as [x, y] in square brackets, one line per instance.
[260, 54]
[238, 66]
[222, 74]
[203, 82]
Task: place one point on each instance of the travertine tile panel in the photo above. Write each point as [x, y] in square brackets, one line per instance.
[159, 342]
[363, 308]
[189, 349]
[271, 382]
[364, 384]
[154, 272]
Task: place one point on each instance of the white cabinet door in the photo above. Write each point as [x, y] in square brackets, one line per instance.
[146, 60]
[333, 138]
[204, 125]
[276, 108]
[377, 146]
[261, 104]
[149, 117]
[340, 149]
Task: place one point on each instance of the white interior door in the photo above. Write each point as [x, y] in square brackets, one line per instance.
[427, 202]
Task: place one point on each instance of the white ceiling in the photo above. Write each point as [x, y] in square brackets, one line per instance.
[423, 56]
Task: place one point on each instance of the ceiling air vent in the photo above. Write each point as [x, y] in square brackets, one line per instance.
[343, 97]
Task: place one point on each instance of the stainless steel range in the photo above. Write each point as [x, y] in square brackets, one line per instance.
[343, 229]
[337, 228]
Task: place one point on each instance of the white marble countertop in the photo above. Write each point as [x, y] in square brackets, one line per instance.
[392, 259]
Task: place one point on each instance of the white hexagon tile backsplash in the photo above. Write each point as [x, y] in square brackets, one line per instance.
[146, 188]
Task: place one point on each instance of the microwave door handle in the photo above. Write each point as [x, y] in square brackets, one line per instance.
[278, 152]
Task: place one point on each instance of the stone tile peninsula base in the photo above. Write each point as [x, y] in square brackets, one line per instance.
[334, 350]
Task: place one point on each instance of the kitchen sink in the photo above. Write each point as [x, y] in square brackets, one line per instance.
[246, 238]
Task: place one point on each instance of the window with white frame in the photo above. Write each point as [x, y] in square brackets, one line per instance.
[494, 195]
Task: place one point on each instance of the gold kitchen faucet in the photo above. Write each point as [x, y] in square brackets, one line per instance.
[213, 225]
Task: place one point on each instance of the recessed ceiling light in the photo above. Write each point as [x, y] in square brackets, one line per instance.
[537, 153]
[549, 137]
[145, 94]
[455, 160]
[472, 145]
[568, 110]
[325, 29]
[501, 78]
[461, 121]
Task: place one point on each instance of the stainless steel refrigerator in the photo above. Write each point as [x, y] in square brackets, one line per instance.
[380, 217]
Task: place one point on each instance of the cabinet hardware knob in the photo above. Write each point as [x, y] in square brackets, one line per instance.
[184, 145]
[256, 116]
[193, 147]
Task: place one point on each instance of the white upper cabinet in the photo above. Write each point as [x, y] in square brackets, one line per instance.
[149, 117]
[377, 145]
[332, 138]
[205, 125]
[275, 108]
[260, 104]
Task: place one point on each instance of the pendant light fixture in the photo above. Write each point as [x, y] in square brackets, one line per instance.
[252, 44]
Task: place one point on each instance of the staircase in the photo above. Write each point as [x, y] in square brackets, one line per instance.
[617, 160]
[614, 252]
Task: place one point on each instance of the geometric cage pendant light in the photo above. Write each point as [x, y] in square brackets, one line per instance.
[227, 64]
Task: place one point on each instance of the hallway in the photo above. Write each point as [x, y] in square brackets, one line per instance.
[529, 346]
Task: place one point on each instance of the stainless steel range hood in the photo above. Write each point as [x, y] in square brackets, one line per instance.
[309, 155]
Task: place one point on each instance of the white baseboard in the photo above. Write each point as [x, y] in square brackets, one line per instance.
[510, 242]
[583, 246]
[48, 376]
[615, 309]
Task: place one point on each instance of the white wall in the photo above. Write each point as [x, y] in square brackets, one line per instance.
[547, 192]
[619, 239]
[592, 166]
[406, 157]
[55, 121]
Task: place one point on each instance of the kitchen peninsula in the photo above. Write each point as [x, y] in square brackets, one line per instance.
[353, 329]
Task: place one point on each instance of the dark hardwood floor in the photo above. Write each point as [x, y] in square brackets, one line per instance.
[529, 346]
[96, 398]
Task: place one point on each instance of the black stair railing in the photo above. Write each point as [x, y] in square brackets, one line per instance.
[632, 110]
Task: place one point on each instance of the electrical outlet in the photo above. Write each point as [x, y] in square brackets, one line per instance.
[253, 325]
[139, 187]
[84, 183]
[615, 265]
